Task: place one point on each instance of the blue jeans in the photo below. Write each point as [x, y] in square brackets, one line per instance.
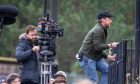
[91, 67]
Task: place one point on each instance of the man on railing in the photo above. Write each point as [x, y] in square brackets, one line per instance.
[90, 55]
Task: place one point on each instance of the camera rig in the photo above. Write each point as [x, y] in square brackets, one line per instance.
[47, 41]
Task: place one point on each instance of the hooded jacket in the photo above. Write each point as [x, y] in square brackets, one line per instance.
[28, 61]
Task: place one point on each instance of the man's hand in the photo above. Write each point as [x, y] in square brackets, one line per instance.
[113, 45]
[111, 57]
[36, 48]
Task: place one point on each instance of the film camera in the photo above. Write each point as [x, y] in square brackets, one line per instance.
[47, 41]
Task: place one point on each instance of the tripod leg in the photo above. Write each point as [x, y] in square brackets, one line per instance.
[46, 71]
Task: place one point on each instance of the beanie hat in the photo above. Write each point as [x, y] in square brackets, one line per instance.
[61, 73]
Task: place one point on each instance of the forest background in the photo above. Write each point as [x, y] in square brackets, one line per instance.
[77, 17]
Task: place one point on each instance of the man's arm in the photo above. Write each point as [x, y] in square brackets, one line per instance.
[97, 43]
[21, 53]
[109, 57]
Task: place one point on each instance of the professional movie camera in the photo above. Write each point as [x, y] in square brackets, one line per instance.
[49, 31]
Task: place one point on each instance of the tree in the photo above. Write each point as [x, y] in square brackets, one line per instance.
[77, 17]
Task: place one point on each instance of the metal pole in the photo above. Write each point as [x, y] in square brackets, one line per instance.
[137, 39]
[53, 16]
[53, 10]
[45, 8]
[124, 60]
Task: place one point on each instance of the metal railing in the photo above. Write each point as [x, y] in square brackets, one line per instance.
[120, 70]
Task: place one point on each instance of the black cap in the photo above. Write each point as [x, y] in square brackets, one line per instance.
[103, 15]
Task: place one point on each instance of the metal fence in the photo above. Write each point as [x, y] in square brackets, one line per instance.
[120, 70]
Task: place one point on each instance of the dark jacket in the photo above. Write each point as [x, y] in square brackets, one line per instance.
[94, 43]
[28, 61]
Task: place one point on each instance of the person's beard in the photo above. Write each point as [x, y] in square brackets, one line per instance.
[34, 40]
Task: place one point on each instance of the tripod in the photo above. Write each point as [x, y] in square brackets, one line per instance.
[46, 72]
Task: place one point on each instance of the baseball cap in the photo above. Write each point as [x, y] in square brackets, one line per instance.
[104, 14]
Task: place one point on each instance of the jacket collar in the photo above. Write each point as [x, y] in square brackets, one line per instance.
[100, 27]
[26, 41]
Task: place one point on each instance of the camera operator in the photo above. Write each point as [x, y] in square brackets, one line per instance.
[26, 55]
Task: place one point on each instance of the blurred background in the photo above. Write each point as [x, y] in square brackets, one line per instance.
[77, 17]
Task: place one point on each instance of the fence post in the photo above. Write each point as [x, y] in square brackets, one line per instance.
[137, 40]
